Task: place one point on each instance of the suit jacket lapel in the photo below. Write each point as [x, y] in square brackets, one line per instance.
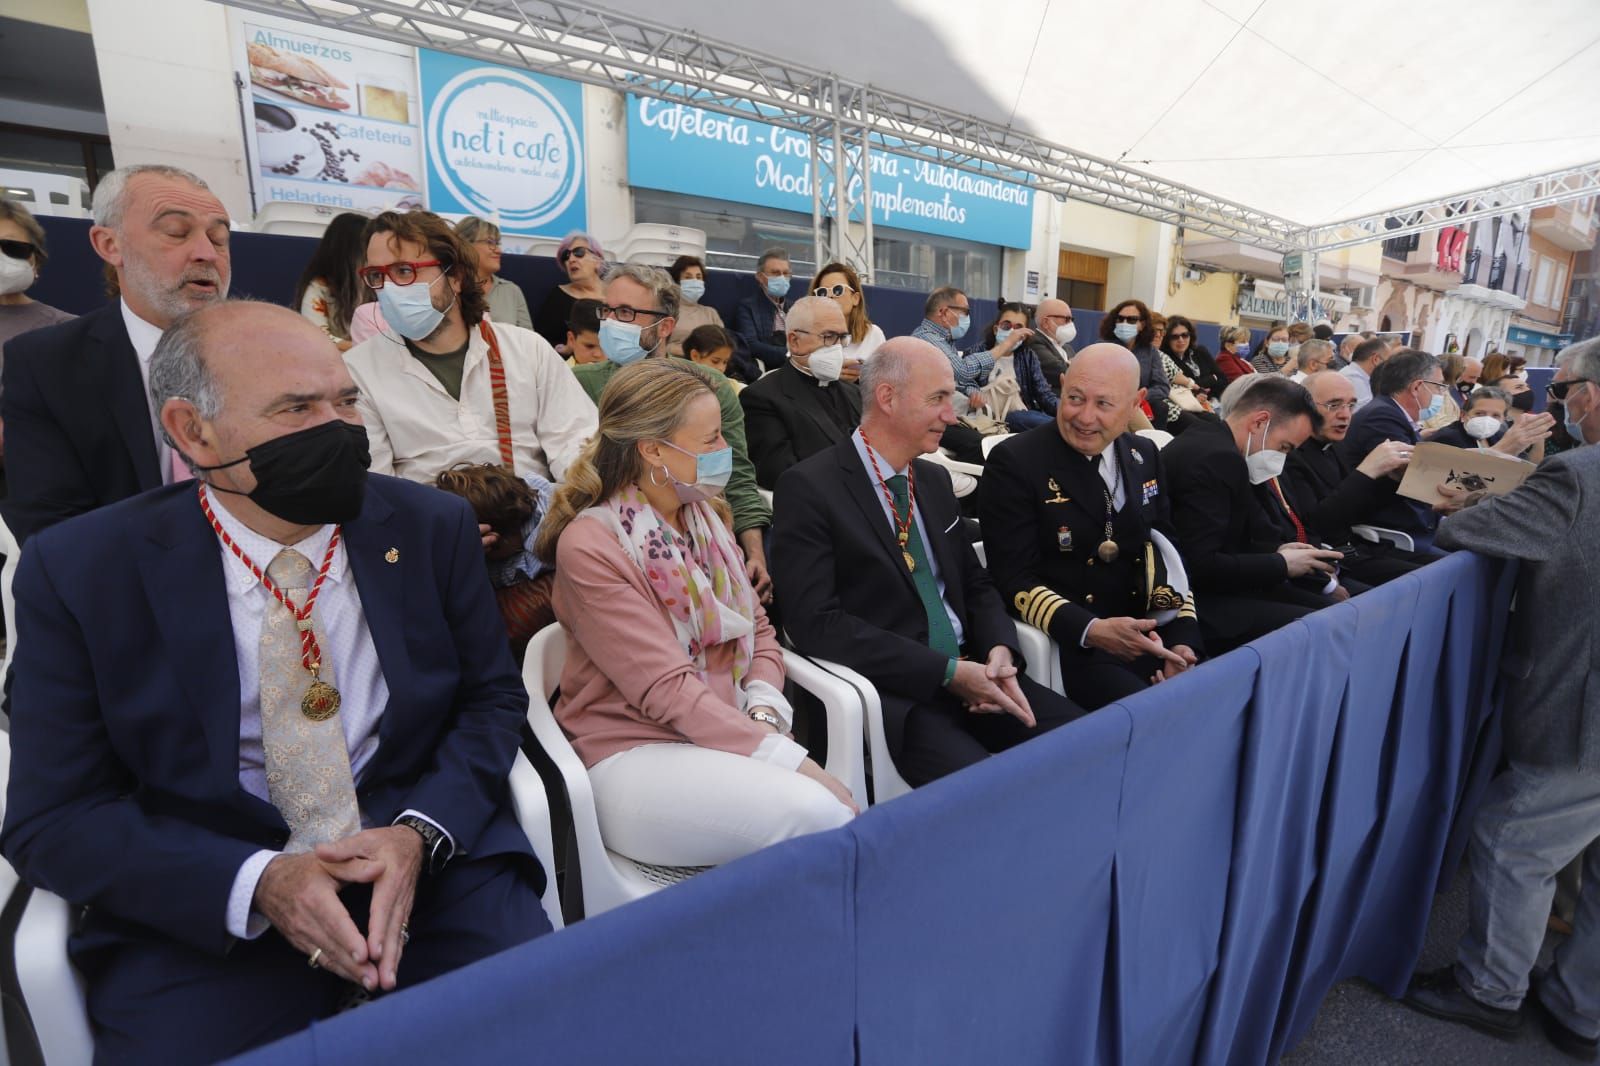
[941, 536]
[377, 551]
[114, 362]
[862, 487]
[182, 570]
[806, 395]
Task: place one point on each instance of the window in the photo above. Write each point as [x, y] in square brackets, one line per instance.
[922, 262]
[1541, 283]
[1558, 291]
[736, 234]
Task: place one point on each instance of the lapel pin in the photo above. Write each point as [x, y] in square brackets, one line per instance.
[392, 555]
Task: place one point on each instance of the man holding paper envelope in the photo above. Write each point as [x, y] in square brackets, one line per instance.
[1544, 810]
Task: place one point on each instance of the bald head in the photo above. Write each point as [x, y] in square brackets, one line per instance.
[1098, 394]
[1335, 397]
[907, 398]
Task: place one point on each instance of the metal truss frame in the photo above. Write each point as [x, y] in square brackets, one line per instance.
[627, 53]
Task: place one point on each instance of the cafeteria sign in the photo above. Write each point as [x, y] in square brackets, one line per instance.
[503, 145]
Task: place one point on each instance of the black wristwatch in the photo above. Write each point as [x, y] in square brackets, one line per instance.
[435, 845]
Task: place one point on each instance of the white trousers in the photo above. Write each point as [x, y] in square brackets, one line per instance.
[684, 805]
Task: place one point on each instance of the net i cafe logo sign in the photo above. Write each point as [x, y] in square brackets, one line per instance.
[503, 144]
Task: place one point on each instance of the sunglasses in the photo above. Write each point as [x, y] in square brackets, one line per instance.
[1132, 319]
[1557, 390]
[17, 249]
[401, 273]
[572, 253]
[831, 290]
[1177, 336]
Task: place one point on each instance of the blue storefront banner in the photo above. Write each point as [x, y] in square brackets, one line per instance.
[504, 144]
[1519, 335]
[679, 148]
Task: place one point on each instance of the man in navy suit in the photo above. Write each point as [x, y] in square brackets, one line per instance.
[262, 723]
[1407, 389]
[758, 320]
[79, 429]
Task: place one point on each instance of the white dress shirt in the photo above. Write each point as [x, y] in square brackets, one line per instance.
[878, 488]
[348, 649]
[417, 430]
[144, 338]
[869, 343]
[1111, 473]
[1361, 381]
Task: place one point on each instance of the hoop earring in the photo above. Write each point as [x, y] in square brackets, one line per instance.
[664, 470]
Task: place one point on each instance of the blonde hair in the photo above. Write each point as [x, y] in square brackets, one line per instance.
[645, 401]
[855, 318]
[1234, 334]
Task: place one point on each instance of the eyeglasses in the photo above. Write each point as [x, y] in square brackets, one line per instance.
[963, 310]
[1177, 336]
[1333, 407]
[1441, 386]
[828, 337]
[17, 249]
[1557, 390]
[401, 273]
[487, 243]
[626, 313]
[1133, 319]
[831, 290]
[572, 253]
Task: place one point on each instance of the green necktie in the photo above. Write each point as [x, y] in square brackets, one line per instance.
[941, 634]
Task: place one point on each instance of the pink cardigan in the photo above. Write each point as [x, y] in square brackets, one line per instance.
[627, 679]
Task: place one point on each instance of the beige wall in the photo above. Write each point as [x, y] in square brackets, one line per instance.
[1211, 300]
[65, 14]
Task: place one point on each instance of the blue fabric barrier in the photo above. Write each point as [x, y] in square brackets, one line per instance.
[1178, 878]
[754, 965]
[987, 899]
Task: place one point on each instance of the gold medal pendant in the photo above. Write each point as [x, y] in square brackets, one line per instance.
[1107, 551]
[911, 564]
[321, 701]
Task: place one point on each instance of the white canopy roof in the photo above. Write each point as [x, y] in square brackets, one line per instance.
[1267, 121]
[1310, 110]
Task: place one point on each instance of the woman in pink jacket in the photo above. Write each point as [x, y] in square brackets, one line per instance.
[672, 690]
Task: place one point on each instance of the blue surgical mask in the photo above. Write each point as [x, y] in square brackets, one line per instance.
[409, 310]
[1125, 331]
[1574, 426]
[1000, 336]
[711, 473]
[778, 286]
[620, 341]
[1278, 349]
[1434, 407]
[959, 330]
[693, 289]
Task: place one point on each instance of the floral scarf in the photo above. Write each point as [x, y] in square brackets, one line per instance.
[698, 576]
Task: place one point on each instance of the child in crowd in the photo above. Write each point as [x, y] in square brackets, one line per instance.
[583, 333]
[512, 507]
[712, 347]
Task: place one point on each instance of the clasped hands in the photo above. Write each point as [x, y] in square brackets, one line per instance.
[1133, 638]
[991, 687]
[299, 895]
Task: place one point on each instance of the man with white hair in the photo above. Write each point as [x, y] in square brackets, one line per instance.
[802, 407]
[79, 429]
[1052, 339]
[1314, 357]
[1543, 811]
[874, 570]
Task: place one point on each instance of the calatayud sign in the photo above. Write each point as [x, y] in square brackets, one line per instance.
[680, 148]
[504, 144]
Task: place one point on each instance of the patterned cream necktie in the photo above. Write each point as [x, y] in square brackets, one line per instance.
[308, 763]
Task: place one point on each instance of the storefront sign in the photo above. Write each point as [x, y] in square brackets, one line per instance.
[1519, 335]
[504, 144]
[679, 148]
[331, 119]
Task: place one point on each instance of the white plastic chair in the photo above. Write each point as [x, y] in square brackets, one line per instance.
[887, 784]
[1160, 436]
[533, 814]
[1038, 649]
[963, 476]
[1377, 534]
[609, 879]
[8, 574]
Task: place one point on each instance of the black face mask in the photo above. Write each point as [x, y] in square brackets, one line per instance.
[1523, 401]
[313, 477]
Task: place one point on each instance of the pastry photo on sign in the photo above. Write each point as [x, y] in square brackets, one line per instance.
[1469, 470]
[303, 80]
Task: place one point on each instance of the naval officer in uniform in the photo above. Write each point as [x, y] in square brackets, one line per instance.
[1075, 524]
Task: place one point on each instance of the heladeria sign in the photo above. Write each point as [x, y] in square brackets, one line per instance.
[505, 145]
[679, 148]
